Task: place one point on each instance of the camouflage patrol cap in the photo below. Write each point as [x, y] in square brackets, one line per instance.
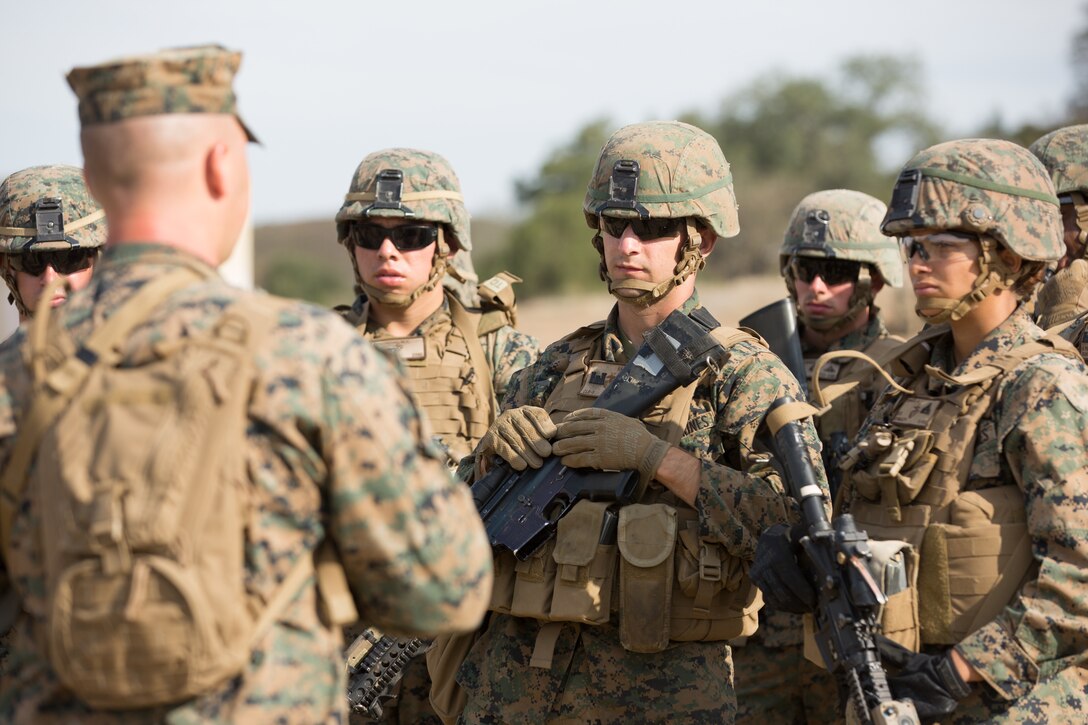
[843, 224]
[681, 172]
[983, 186]
[28, 222]
[426, 188]
[179, 80]
[1064, 153]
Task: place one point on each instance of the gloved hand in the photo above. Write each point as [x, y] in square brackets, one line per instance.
[609, 441]
[520, 436]
[929, 681]
[778, 573]
[1060, 299]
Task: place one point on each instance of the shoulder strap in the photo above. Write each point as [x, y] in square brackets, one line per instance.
[468, 327]
[52, 394]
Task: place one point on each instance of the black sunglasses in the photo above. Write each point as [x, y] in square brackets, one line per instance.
[643, 228]
[831, 271]
[406, 238]
[64, 261]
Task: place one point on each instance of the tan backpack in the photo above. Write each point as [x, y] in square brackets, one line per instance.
[143, 485]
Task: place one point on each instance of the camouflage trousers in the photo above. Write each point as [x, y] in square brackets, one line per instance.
[411, 703]
[593, 679]
[778, 685]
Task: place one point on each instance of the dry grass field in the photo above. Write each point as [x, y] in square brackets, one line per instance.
[549, 318]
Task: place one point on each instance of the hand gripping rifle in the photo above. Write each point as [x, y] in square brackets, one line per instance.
[848, 597]
[521, 509]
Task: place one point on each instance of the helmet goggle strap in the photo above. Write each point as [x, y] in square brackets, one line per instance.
[439, 267]
[993, 275]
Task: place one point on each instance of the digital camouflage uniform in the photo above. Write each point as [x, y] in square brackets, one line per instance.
[440, 361]
[775, 683]
[84, 224]
[334, 447]
[591, 677]
[1015, 496]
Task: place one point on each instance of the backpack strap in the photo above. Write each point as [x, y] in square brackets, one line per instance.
[52, 393]
[468, 328]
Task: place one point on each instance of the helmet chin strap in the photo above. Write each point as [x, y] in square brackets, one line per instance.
[643, 293]
[993, 275]
[399, 299]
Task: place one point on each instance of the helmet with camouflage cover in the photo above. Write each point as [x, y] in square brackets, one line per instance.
[403, 183]
[1064, 153]
[995, 189]
[46, 208]
[664, 170]
[842, 224]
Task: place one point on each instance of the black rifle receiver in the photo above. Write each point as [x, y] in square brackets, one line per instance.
[848, 598]
[521, 509]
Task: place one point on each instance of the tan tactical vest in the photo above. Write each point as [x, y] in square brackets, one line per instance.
[449, 375]
[1076, 331]
[663, 581]
[848, 411]
[909, 482]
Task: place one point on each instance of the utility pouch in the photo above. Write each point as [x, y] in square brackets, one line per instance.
[895, 567]
[584, 566]
[974, 564]
[533, 584]
[713, 599]
[646, 539]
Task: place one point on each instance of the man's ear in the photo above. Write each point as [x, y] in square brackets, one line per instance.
[1011, 260]
[217, 170]
[709, 239]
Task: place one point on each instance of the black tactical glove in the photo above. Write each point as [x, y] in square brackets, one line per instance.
[778, 573]
[929, 681]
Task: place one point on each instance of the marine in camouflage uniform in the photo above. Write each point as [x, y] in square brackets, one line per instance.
[1062, 305]
[44, 195]
[834, 260]
[57, 198]
[334, 445]
[984, 468]
[463, 351]
[655, 223]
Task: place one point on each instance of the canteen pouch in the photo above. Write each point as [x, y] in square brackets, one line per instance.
[646, 538]
[584, 566]
[974, 564]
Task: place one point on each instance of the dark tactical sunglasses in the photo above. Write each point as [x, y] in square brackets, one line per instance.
[406, 238]
[643, 228]
[831, 271]
[64, 261]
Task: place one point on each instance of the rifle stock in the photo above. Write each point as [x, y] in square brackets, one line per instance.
[848, 598]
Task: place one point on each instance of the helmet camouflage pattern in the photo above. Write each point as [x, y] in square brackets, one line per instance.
[982, 186]
[682, 173]
[1064, 153]
[429, 191]
[843, 224]
[21, 194]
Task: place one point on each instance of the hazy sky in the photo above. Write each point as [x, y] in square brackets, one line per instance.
[494, 86]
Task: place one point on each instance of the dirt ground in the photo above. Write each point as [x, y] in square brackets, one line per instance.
[549, 318]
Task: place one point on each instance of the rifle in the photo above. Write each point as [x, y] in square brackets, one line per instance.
[777, 324]
[521, 509]
[848, 598]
